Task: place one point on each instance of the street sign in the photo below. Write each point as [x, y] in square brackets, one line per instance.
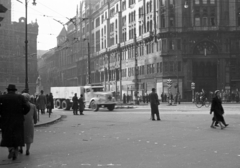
[193, 85]
[169, 83]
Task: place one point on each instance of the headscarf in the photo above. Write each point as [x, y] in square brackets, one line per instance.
[26, 96]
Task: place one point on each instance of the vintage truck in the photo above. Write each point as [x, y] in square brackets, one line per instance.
[94, 97]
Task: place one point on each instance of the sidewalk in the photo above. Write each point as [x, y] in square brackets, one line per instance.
[44, 119]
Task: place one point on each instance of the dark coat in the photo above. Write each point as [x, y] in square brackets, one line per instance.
[75, 102]
[81, 104]
[154, 102]
[50, 102]
[13, 107]
[217, 108]
[42, 102]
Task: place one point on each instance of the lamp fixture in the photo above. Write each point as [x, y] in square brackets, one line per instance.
[186, 5]
[34, 2]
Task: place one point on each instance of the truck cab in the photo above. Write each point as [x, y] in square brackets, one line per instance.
[95, 98]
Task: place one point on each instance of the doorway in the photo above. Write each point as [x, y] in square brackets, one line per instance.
[205, 75]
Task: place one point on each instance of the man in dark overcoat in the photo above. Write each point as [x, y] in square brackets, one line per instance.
[42, 102]
[81, 104]
[154, 102]
[50, 104]
[75, 104]
[13, 107]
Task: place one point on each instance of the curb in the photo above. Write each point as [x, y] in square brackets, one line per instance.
[50, 122]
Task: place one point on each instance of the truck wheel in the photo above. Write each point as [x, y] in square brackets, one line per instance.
[58, 104]
[64, 105]
[94, 106]
[111, 107]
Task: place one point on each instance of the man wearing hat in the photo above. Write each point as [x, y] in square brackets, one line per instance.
[13, 107]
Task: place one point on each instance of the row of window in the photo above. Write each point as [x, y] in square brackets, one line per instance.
[149, 6]
[150, 47]
[171, 66]
[198, 2]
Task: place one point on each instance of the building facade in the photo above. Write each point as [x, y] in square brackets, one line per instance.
[12, 56]
[140, 44]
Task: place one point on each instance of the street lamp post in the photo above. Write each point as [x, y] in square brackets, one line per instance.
[26, 45]
[136, 70]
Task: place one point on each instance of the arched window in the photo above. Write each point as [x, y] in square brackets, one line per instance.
[150, 25]
[171, 21]
[205, 20]
[212, 20]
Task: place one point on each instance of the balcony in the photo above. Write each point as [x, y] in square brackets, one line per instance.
[131, 41]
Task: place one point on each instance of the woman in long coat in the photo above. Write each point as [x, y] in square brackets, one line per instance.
[29, 120]
[217, 109]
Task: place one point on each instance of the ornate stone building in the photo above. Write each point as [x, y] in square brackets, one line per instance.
[12, 56]
[182, 40]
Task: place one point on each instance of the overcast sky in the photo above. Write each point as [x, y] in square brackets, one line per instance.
[48, 27]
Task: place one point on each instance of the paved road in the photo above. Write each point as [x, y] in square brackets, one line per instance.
[128, 139]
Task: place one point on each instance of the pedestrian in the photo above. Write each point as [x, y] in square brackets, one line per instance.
[47, 103]
[13, 107]
[50, 104]
[154, 102]
[38, 109]
[124, 98]
[179, 98]
[162, 97]
[147, 98]
[75, 104]
[217, 109]
[165, 97]
[29, 120]
[42, 102]
[81, 104]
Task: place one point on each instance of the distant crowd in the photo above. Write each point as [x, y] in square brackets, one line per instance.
[176, 98]
[226, 96]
